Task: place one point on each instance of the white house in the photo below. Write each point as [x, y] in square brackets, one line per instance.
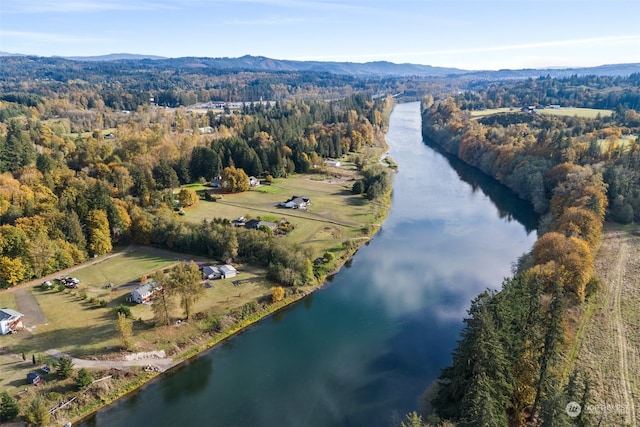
[10, 321]
[296, 202]
[216, 182]
[143, 293]
[254, 182]
[228, 271]
[211, 272]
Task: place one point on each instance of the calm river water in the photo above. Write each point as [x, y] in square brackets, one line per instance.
[360, 351]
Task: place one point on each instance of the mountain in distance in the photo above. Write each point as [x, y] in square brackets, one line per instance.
[113, 57]
[375, 68]
[600, 70]
[366, 69]
[10, 54]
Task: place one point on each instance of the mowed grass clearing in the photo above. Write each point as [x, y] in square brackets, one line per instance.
[76, 323]
[587, 113]
[334, 215]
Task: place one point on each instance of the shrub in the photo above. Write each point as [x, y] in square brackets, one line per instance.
[123, 309]
[358, 187]
[64, 368]
[593, 286]
[83, 379]
[8, 407]
[277, 293]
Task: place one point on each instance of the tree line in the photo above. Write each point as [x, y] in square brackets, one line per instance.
[576, 172]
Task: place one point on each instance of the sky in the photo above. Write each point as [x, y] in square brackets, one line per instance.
[469, 34]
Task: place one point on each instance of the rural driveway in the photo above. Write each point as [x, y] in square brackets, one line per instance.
[28, 305]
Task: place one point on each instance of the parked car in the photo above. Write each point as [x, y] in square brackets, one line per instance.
[33, 378]
[45, 369]
[70, 282]
[47, 284]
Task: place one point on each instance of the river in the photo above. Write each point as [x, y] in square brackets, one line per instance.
[360, 351]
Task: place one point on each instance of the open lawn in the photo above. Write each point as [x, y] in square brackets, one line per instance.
[7, 300]
[334, 215]
[587, 113]
[478, 114]
[120, 270]
[77, 324]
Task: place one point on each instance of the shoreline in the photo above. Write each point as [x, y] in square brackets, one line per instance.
[199, 350]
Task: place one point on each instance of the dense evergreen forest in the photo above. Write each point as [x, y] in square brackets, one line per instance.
[510, 366]
[79, 175]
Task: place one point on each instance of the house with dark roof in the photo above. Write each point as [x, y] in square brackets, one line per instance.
[211, 272]
[256, 224]
[296, 202]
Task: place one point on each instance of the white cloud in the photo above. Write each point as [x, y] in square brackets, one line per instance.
[264, 21]
[81, 6]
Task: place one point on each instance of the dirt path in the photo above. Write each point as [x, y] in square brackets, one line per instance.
[159, 364]
[617, 285]
[610, 346]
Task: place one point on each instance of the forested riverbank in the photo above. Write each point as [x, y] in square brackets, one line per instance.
[79, 179]
[513, 363]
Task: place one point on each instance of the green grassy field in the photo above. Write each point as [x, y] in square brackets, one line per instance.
[587, 113]
[334, 215]
[78, 325]
[7, 300]
[477, 114]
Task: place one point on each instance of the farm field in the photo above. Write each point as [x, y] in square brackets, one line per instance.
[587, 113]
[610, 334]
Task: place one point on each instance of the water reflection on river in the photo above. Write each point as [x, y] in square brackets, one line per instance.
[360, 351]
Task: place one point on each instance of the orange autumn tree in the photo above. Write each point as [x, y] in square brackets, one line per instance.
[562, 259]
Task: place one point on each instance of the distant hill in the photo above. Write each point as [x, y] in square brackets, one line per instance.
[10, 54]
[113, 57]
[355, 69]
[601, 70]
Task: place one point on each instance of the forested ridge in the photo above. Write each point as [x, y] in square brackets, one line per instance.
[78, 176]
[129, 84]
[511, 366]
